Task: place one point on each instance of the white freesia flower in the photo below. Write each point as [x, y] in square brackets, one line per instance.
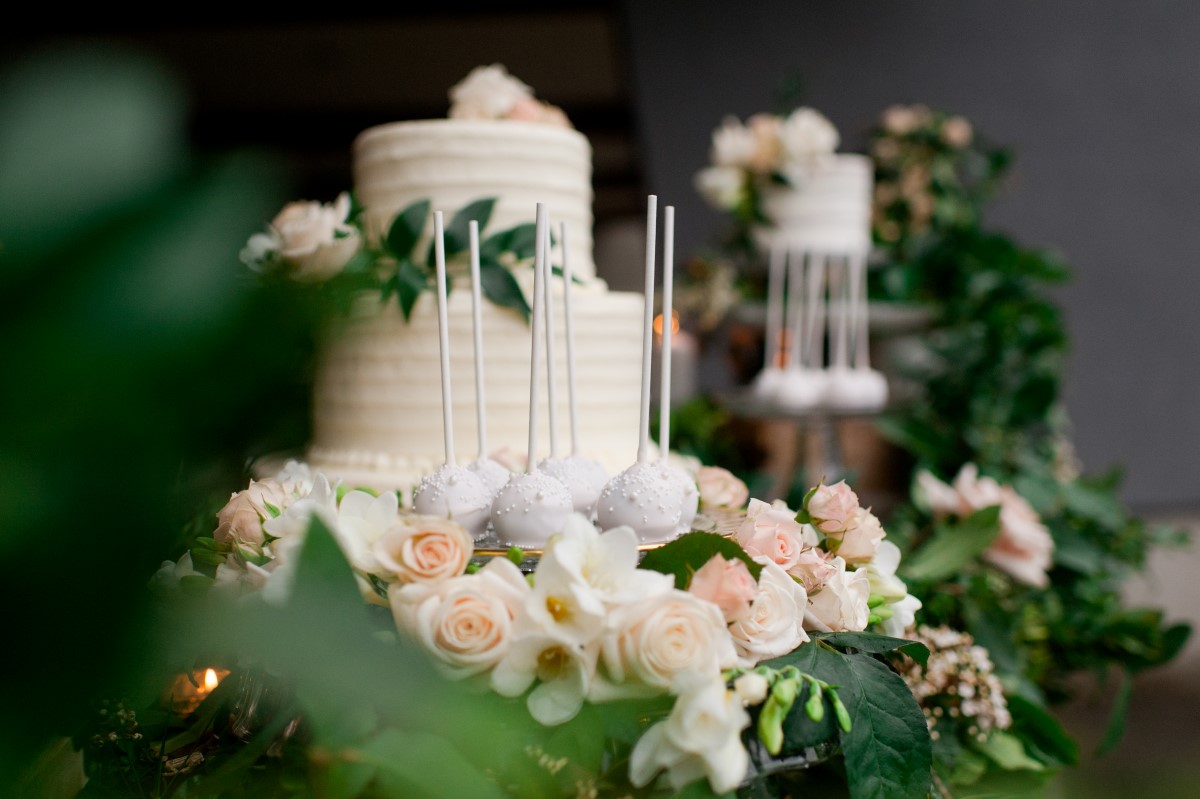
[775, 624]
[259, 248]
[315, 239]
[751, 688]
[881, 574]
[362, 519]
[1024, 548]
[663, 639]
[321, 501]
[721, 186]
[701, 738]
[296, 478]
[562, 668]
[487, 92]
[807, 135]
[171, 572]
[841, 606]
[904, 615]
[466, 622]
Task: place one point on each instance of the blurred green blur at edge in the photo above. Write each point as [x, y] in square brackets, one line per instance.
[142, 365]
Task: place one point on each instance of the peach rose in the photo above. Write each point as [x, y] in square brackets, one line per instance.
[858, 542]
[832, 508]
[241, 520]
[957, 132]
[772, 532]
[727, 584]
[719, 488]
[424, 549]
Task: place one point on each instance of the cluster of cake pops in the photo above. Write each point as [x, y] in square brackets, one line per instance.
[825, 295]
[524, 509]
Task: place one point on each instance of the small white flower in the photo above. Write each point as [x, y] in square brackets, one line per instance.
[700, 739]
[487, 92]
[751, 688]
[721, 186]
[562, 669]
[807, 136]
[362, 519]
[315, 239]
[733, 144]
[841, 606]
[170, 573]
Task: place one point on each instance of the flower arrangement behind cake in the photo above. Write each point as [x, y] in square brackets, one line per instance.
[738, 649]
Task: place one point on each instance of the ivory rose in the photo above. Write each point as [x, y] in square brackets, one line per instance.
[701, 738]
[733, 144]
[832, 507]
[315, 239]
[720, 488]
[1024, 548]
[720, 185]
[659, 641]
[467, 622]
[813, 569]
[841, 606]
[727, 584]
[487, 92]
[774, 625]
[424, 549]
[807, 135]
[773, 532]
[858, 542]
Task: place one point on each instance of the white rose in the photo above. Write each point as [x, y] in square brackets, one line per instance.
[773, 532]
[467, 622]
[720, 488]
[862, 536]
[661, 640]
[424, 549]
[314, 238]
[721, 186]
[701, 738]
[774, 625]
[832, 508]
[487, 93]
[733, 144]
[807, 135]
[841, 606]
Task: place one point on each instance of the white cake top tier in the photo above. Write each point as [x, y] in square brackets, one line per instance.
[453, 162]
[827, 207]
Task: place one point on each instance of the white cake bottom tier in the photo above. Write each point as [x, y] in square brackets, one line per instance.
[377, 405]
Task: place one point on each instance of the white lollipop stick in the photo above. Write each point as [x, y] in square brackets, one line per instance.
[477, 323]
[858, 289]
[838, 286]
[443, 336]
[551, 371]
[816, 316]
[647, 330]
[668, 317]
[795, 307]
[539, 264]
[569, 320]
[774, 306]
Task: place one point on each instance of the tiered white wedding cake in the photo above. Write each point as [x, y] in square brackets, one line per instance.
[377, 404]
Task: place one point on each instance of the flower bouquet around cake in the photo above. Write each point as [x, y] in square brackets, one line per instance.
[365, 651]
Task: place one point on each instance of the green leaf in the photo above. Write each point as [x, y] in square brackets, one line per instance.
[888, 749]
[411, 280]
[1008, 752]
[874, 644]
[406, 229]
[687, 554]
[520, 240]
[1076, 552]
[423, 765]
[1116, 720]
[458, 231]
[499, 286]
[1035, 725]
[954, 546]
[1094, 502]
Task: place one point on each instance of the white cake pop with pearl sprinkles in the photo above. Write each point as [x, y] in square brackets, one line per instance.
[584, 478]
[452, 491]
[646, 496]
[532, 506]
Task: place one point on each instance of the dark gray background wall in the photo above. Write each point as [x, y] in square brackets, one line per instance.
[1101, 102]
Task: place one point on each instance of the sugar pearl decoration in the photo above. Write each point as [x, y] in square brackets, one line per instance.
[493, 474]
[584, 479]
[455, 492]
[529, 509]
[645, 497]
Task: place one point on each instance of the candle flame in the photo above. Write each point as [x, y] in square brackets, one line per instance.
[658, 323]
[210, 679]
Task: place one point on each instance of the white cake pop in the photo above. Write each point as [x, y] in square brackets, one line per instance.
[583, 477]
[645, 496]
[859, 387]
[452, 491]
[532, 506]
[689, 494]
[493, 474]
